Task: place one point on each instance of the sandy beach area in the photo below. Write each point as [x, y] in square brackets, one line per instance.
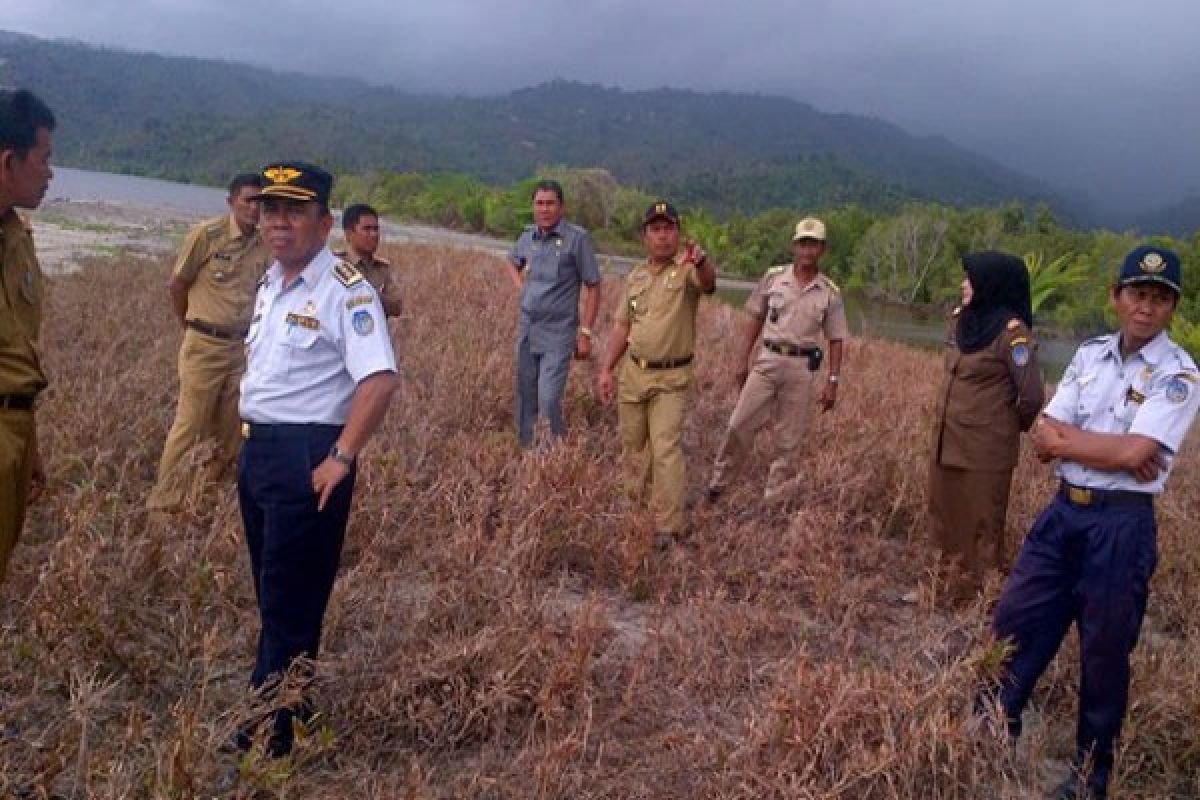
[69, 233]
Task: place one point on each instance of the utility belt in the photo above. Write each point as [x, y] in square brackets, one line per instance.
[16, 402]
[217, 331]
[663, 363]
[290, 430]
[814, 354]
[1101, 498]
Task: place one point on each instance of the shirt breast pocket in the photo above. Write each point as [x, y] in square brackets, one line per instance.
[776, 307]
[638, 302]
[296, 350]
[567, 268]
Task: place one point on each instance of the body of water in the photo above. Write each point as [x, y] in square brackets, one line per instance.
[888, 321]
[84, 185]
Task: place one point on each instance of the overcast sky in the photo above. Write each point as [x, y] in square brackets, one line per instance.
[1093, 95]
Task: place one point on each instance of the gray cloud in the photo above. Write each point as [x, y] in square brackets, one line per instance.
[1096, 96]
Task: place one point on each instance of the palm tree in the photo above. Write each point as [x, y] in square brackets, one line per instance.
[1048, 279]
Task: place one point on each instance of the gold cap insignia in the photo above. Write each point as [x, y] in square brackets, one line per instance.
[281, 174]
[1153, 263]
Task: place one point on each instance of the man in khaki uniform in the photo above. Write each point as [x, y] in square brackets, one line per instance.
[360, 224]
[26, 125]
[212, 292]
[656, 323]
[791, 307]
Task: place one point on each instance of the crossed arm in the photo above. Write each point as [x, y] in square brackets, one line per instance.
[1110, 452]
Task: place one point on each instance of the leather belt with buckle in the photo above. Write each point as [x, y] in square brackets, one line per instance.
[16, 402]
[216, 331]
[788, 349]
[287, 430]
[665, 363]
[1099, 498]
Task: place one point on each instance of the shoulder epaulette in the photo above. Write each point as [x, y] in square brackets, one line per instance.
[829, 282]
[347, 275]
[777, 270]
[382, 261]
[1101, 339]
[341, 253]
[957, 310]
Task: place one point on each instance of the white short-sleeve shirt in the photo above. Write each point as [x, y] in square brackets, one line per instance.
[1155, 393]
[311, 343]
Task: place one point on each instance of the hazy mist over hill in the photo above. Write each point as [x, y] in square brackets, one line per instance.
[1098, 98]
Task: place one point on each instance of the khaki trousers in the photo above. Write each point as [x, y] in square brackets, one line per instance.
[779, 391]
[16, 472]
[651, 405]
[210, 370]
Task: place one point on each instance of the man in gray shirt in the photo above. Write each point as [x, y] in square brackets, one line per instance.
[548, 264]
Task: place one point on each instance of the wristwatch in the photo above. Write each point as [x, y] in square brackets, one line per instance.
[337, 455]
[833, 378]
[585, 331]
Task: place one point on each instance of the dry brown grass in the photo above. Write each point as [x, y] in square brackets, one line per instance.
[503, 627]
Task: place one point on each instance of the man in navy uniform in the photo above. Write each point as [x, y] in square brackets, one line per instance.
[1119, 416]
[320, 373]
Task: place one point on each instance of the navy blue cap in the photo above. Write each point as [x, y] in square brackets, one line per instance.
[1151, 264]
[296, 180]
[660, 209]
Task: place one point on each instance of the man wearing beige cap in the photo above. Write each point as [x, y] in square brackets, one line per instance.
[791, 307]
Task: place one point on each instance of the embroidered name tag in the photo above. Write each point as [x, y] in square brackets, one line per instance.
[312, 323]
[359, 300]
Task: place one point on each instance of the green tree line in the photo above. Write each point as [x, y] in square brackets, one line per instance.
[911, 255]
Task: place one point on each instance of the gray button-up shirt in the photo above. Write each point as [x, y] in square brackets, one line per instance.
[557, 262]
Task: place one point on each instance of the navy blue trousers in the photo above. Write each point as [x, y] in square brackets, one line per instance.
[1090, 566]
[294, 549]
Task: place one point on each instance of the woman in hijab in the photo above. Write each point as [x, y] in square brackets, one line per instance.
[991, 391]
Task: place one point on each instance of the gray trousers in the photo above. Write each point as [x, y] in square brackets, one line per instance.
[541, 380]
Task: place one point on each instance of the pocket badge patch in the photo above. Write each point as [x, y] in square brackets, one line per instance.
[1020, 354]
[363, 323]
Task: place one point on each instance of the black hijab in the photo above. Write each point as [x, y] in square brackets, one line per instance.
[999, 292]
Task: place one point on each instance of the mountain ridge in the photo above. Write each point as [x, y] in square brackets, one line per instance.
[201, 119]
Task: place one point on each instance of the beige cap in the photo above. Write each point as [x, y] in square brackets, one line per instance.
[809, 228]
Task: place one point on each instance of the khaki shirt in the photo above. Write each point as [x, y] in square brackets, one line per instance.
[21, 289]
[659, 305]
[221, 268]
[987, 398]
[379, 273]
[798, 314]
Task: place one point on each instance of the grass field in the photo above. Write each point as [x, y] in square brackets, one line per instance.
[503, 627]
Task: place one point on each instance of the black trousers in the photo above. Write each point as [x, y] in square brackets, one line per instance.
[294, 549]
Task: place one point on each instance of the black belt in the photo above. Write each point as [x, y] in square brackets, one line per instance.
[16, 402]
[786, 349]
[1099, 498]
[297, 430]
[216, 331]
[665, 363]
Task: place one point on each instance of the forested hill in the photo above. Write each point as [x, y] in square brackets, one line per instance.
[200, 120]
